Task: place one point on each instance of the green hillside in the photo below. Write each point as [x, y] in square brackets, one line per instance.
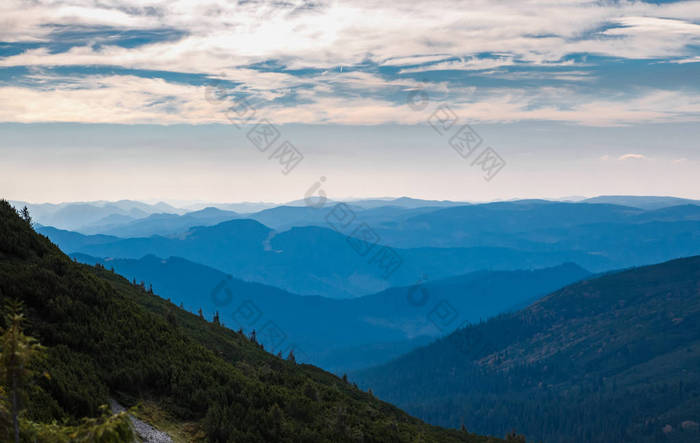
[108, 338]
[610, 359]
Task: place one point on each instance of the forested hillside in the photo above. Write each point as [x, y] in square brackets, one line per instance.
[105, 337]
[615, 358]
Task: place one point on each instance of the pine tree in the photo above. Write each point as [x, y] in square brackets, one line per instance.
[25, 216]
[170, 317]
[5, 423]
[341, 422]
[18, 351]
[277, 418]
[310, 391]
[216, 320]
[515, 437]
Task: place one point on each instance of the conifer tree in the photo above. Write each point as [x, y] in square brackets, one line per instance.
[18, 352]
[25, 216]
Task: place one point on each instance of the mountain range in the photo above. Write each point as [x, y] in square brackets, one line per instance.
[100, 217]
[77, 215]
[331, 259]
[162, 223]
[384, 325]
[642, 201]
[315, 260]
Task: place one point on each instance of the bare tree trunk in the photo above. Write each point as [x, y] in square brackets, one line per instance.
[15, 408]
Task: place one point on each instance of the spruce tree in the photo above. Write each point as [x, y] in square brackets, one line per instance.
[18, 352]
[25, 216]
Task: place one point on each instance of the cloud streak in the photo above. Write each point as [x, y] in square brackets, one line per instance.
[130, 99]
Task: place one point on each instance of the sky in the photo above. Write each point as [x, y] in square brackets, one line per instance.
[261, 101]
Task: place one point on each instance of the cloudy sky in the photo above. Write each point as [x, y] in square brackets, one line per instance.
[148, 99]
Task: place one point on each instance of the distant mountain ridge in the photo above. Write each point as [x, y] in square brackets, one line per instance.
[163, 223]
[76, 215]
[404, 202]
[643, 202]
[302, 252]
[312, 260]
[102, 217]
[390, 322]
[317, 260]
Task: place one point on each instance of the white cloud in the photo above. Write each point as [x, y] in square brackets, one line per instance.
[470, 64]
[695, 59]
[109, 99]
[644, 25]
[344, 33]
[632, 157]
[221, 38]
[131, 99]
[413, 60]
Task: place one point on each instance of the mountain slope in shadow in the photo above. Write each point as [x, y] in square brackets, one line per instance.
[614, 358]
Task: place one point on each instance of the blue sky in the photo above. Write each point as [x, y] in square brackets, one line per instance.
[563, 91]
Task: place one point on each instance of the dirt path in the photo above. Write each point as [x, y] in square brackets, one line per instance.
[146, 432]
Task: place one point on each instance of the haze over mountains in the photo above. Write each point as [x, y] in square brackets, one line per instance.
[312, 260]
[99, 213]
[101, 216]
[384, 325]
[641, 201]
[312, 253]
